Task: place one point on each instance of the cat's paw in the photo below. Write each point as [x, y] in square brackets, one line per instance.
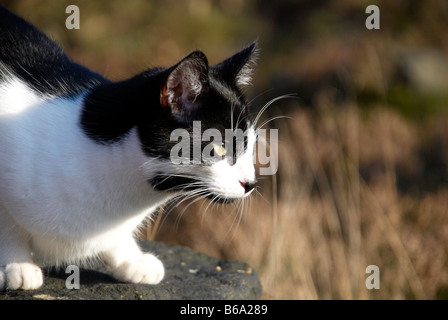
[25, 275]
[146, 269]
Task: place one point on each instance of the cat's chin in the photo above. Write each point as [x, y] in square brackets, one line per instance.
[221, 199]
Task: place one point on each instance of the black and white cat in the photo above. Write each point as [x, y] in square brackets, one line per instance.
[83, 160]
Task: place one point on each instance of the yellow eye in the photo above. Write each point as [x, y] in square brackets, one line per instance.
[220, 149]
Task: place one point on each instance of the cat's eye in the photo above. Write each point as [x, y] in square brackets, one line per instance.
[220, 149]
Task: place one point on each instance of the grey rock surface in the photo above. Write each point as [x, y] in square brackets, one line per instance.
[188, 275]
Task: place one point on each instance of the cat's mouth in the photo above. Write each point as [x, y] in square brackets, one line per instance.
[185, 184]
[172, 183]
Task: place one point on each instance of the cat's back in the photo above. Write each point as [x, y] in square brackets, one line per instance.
[41, 92]
[23, 45]
[29, 55]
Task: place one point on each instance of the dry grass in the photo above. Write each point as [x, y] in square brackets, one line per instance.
[334, 208]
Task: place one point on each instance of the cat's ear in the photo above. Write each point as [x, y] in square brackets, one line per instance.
[238, 68]
[185, 83]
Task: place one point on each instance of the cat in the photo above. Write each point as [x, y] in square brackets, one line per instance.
[84, 160]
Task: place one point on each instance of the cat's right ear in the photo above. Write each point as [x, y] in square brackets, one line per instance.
[185, 83]
[238, 68]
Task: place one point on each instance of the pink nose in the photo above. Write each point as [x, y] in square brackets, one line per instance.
[248, 186]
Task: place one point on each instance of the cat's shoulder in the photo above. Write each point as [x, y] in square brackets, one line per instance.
[40, 62]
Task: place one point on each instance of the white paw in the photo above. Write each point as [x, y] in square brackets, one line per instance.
[146, 269]
[25, 275]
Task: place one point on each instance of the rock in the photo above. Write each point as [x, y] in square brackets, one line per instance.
[188, 275]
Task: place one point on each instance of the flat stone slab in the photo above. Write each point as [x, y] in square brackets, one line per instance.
[188, 275]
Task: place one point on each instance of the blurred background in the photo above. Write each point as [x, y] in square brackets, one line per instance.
[362, 176]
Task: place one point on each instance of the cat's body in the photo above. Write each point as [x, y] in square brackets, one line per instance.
[84, 160]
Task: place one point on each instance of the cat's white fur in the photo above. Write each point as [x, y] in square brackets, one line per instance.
[65, 198]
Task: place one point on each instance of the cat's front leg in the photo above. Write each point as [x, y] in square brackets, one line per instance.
[127, 263]
[17, 270]
[24, 275]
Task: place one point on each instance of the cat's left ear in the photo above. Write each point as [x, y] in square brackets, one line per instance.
[238, 68]
[185, 83]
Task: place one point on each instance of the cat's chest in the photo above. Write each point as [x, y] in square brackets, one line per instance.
[48, 164]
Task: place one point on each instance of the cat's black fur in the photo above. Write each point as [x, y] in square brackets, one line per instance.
[39, 61]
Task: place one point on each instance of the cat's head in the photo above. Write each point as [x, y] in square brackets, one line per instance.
[204, 141]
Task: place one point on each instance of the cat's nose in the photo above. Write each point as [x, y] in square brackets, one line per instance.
[248, 186]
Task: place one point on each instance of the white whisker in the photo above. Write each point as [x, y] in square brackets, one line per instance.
[269, 103]
[272, 119]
